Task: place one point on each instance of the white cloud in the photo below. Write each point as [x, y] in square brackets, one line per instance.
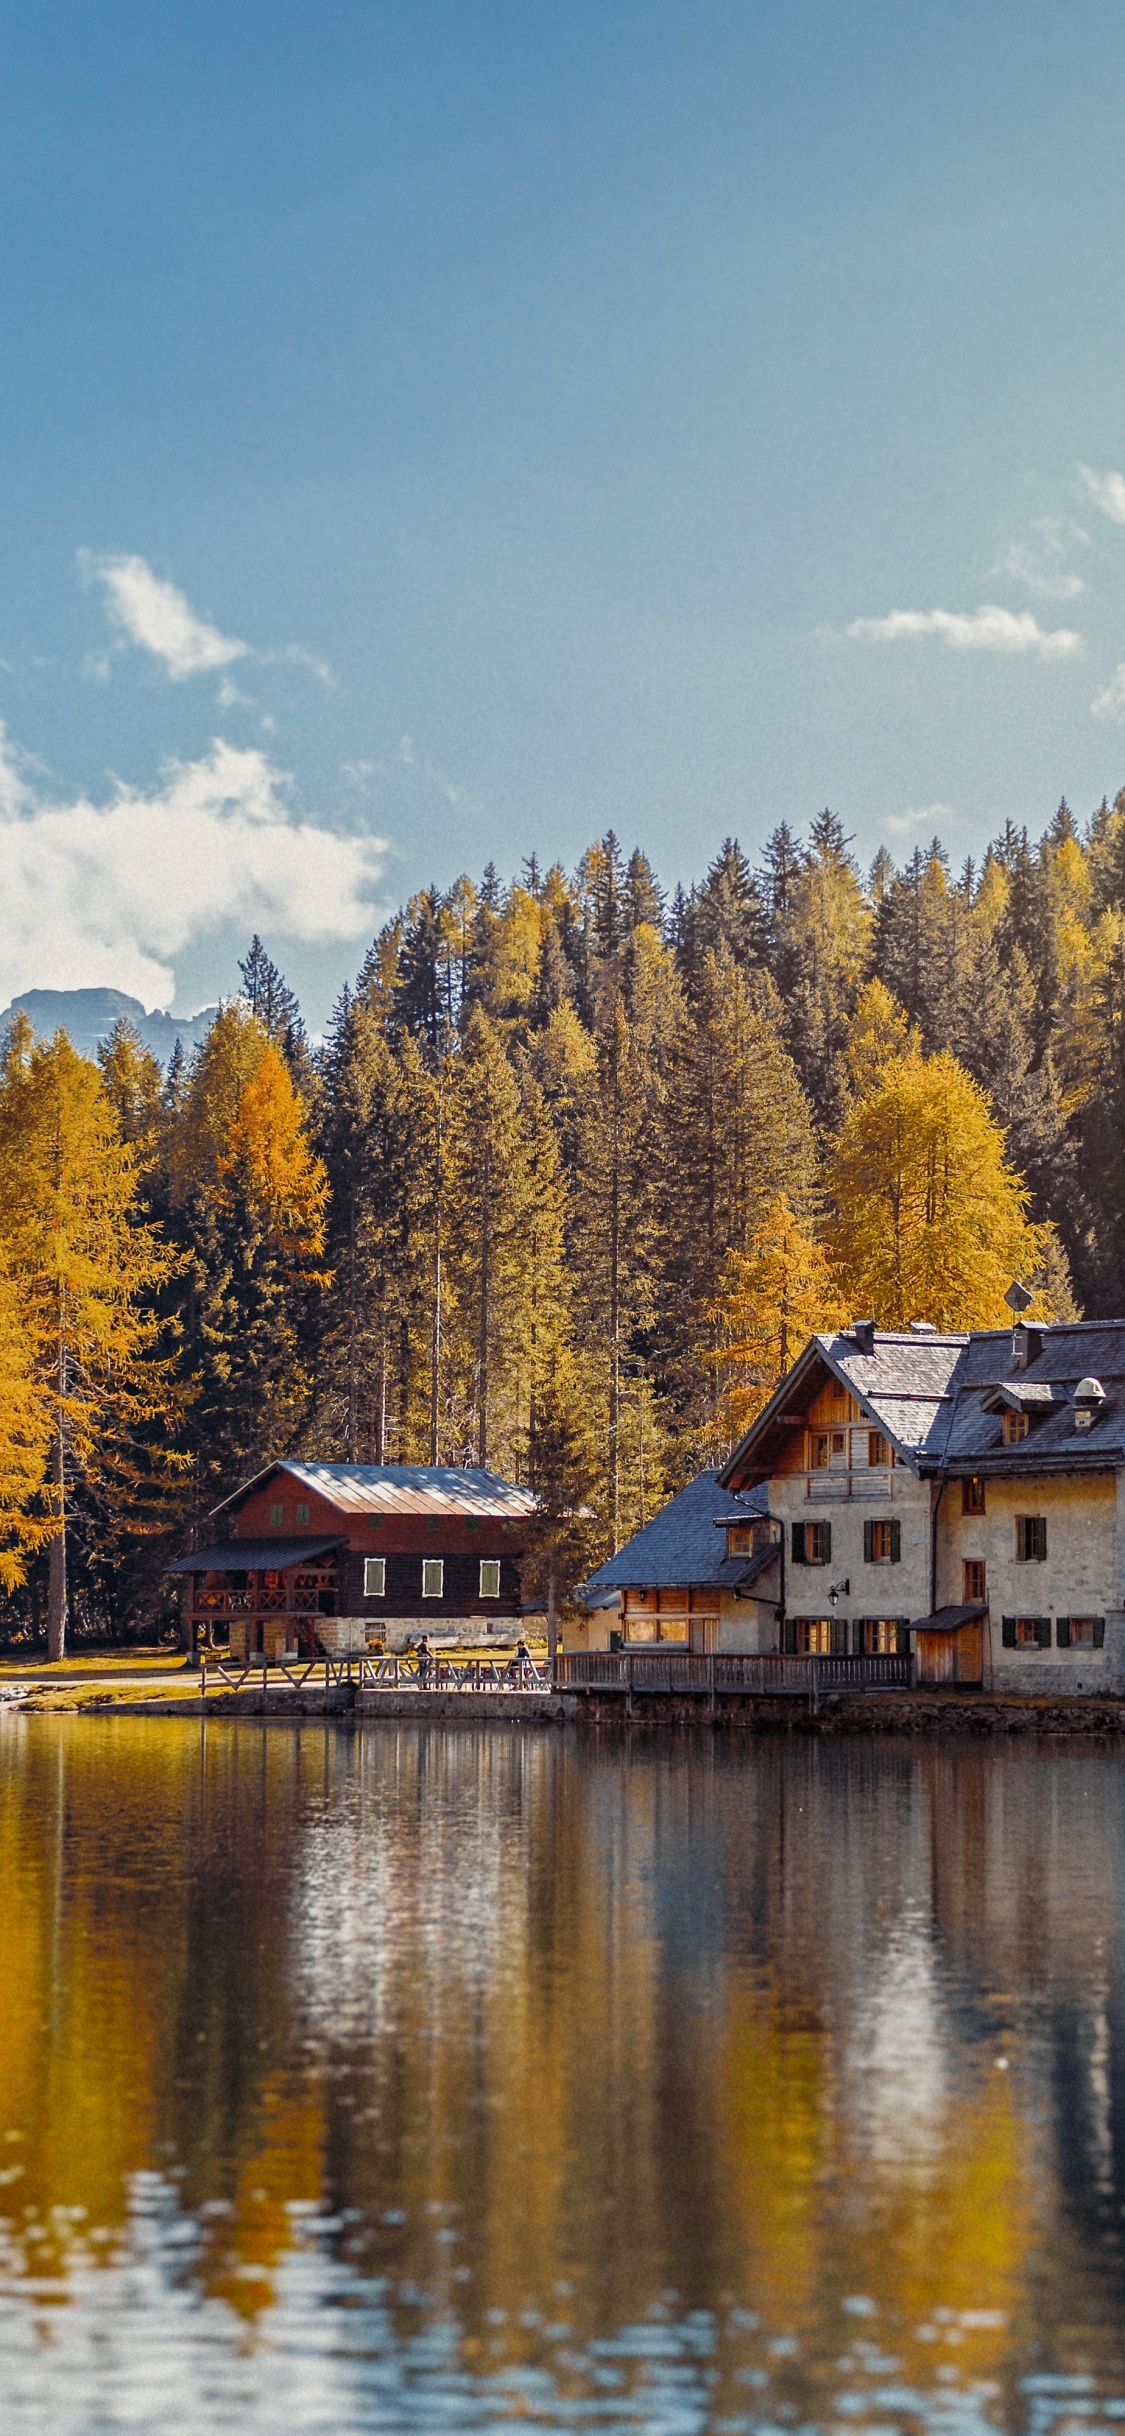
[929, 816]
[1038, 563]
[1107, 492]
[1110, 703]
[986, 629]
[111, 893]
[157, 616]
[154, 614]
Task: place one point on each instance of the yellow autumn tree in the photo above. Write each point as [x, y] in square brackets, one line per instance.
[775, 1295]
[269, 1153]
[26, 1419]
[85, 1269]
[929, 1220]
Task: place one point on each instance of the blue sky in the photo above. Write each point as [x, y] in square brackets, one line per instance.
[433, 432]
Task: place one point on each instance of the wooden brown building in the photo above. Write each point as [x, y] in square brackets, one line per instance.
[329, 1556]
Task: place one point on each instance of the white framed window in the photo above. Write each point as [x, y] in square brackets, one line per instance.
[433, 1577]
[490, 1577]
[374, 1577]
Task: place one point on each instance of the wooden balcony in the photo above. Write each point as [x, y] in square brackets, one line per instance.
[827, 1485]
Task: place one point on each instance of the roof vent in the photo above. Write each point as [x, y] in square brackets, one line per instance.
[922, 1328]
[1089, 1395]
[864, 1334]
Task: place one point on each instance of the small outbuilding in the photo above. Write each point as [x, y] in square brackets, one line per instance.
[704, 1574]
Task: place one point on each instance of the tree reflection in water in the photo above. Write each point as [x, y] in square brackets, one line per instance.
[455, 2076]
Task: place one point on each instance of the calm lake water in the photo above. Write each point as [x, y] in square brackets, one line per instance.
[458, 2078]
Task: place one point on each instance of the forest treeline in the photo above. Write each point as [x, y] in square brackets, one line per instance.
[575, 1172]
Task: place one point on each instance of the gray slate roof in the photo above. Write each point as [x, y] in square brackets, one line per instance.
[939, 1398]
[682, 1548]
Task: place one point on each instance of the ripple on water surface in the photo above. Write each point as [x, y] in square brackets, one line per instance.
[464, 2078]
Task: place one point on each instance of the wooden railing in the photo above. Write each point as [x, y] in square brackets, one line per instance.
[369, 1674]
[628, 1671]
[672, 1670]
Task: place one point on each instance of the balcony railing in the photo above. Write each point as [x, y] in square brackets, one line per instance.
[860, 1483]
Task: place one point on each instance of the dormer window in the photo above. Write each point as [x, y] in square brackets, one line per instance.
[739, 1542]
[1015, 1428]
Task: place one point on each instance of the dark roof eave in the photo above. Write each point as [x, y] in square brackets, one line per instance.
[970, 1467]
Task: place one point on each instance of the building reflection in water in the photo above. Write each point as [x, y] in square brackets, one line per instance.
[787, 2076]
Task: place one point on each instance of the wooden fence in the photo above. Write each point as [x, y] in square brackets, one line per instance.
[679, 1670]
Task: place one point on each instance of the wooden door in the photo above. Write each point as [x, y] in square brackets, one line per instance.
[969, 1669]
[937, 1657]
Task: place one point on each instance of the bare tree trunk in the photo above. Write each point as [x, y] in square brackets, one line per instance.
[56, 1562]
[482, 1334]
[353, 1346]
[552, 1625]
[615, 1323]
[435, 1321]
[381, 1394]
[435, 1351]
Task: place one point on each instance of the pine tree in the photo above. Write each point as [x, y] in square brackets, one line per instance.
[132, 1082]
[736, 1131]
[489, 1201]
[248, 1208]
[728, 916]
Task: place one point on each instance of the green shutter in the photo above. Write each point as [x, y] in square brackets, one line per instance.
[827, 1530]
[839, 1637]
[869, 1543]
[789, 1628]
[1099, 1632]
[896, 1543]
[903, 1640]
[857, 1638]
[1008, 1632]
[1040, 1534]
[1044, 1623]
[798, 1543]
[1062, 1632]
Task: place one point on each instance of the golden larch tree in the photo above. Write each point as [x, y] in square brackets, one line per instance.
[86, 1269]
[775, 1295]
[929, 1220]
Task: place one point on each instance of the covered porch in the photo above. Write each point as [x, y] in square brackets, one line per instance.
[269, 1599]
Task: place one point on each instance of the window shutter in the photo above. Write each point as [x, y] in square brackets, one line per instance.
[826, 1529]
[896, 1542]
[1039, 1533]
[857, 1635]
[839, 1637]
[869, 1543]
[1044, 1623]
[789, 1626]
[903, 1640]
[798, 1545]
[1099, 1632]
[1008, 1632]
[1062, 1632]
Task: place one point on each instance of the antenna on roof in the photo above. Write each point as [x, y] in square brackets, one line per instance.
[1018, 1298]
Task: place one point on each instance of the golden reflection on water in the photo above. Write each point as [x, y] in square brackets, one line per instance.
[678, 2085]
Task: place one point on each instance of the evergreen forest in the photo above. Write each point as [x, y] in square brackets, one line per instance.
[574, 1174]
